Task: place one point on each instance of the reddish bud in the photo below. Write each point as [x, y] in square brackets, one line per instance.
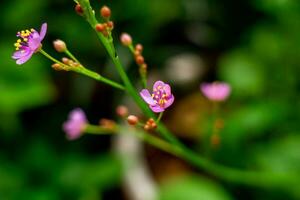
[78, 9]
[110, 24]
[154, 125]
[151, 121]
[122, 111]
[59, 45]
[105, 12]
[132, 119]
[126, 39]
[100, 27]
[57, 67]
[65, 60]
[147, 127]
[136, 53]
[139, 47]
[139, 60]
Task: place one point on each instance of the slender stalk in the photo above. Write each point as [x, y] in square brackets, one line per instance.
[250, 178]
[100, 78]
[98, 130]
[51, 58]
[85, 71]
[159, 117]
[72, 56]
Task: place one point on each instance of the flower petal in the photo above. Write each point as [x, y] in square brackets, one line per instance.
[24, 59]
[167, 89]
[169, 101]
[156, 108]
[21, 53]
[34, 42]
[158, 83]
[43, 31]
[147, 97]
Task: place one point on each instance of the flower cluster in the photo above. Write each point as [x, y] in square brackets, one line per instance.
[28, 43]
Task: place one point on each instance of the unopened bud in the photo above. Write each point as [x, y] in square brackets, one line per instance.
[57, 67]
[100, 27]
[110, 24]
[59, 45]
[126, 39]
[122, 111]
[65, 60]
[132, 119]
[139, 60]
[139, 47]
[147, 127]
[136, 53]
[105, 12]
[151, 120]
[78, 9]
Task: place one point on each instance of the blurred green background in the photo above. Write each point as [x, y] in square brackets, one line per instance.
[253, 45]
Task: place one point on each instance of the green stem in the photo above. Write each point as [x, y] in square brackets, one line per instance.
[98, 77]
[94, 129]
[85, 71]
[72, 56]
[51, 58]
[159, 117]
[250, 178]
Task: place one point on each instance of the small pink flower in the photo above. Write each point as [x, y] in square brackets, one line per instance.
[28, 43]
[76, 124]
[216, 91]
[161, 97]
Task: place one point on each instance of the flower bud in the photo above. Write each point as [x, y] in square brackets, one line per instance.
[147, 127]
[139, 60]
[57, 67]
[122, 111]
[105, 12]
[132, 119]
[100, 27]
[126, 39]
[110, 24]
[65, 60]
[139, 47]
[59, 45]
[78, 9]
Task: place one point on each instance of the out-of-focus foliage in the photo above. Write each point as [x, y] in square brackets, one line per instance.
[253, 45]
[192, 187]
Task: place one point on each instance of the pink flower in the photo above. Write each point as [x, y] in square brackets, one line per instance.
[28, 43]
[161, 97]
[76, 124]
[216, 91]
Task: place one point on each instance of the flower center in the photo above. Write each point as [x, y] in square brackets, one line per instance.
[159, 96]
[24, 36]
